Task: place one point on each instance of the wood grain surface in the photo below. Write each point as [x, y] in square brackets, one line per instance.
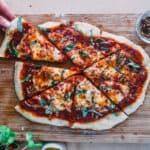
[136, 129]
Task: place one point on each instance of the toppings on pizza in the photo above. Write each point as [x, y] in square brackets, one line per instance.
[75, 100]
[31, 79]
[82, 47]
[24, 41]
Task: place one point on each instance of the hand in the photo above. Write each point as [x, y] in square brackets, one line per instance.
[5, 15]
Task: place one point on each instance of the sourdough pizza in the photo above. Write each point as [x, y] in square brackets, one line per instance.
[31, 78]
[107, 81]
[25, 42]
[74, 102]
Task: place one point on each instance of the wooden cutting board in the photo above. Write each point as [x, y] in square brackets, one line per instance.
[135, 129]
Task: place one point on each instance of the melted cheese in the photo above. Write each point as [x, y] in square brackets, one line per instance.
[88, 95]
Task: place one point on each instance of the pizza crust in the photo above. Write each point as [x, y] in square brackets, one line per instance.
[42, 120]
[132, 108]
[17, 81]
[49, 25]
[105, 123]
[7, 38]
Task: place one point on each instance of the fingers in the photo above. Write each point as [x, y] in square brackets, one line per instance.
[4, 10]
[4, 23]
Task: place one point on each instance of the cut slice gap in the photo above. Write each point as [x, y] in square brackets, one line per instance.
[68, 94]
[31, 79]
[25, 42]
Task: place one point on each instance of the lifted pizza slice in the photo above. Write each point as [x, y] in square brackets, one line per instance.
[25, 42]
[31, 79]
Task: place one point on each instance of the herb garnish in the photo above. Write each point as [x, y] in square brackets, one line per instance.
[104, 48]
[69, 47]
[84, 112]
[54, 40]
[12, 49]
[111, 107]
[49, 110]
[27, 78]
[102, 41]
[43, 102]
[134, 65]
[120, 58]
[19, 24]
[80, 92]
[83, 54]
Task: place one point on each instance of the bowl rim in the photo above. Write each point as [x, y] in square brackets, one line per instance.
[144, 39]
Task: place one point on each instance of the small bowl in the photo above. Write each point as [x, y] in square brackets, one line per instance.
[59, 146]
[138, 30]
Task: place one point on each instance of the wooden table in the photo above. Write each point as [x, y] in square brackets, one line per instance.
[110, 22]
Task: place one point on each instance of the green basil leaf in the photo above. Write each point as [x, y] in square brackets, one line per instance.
[49, 110]
[43, 102]
[134, 65]
[84, 112]
[104, 48]
[53, 40]
[102, 41]
[80, 92]
[15, 51]
[12, 49]
[83, 53]
[69, 47]
[19, 24]
[27, 78]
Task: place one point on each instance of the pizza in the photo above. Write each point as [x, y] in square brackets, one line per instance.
[106, 82]
[23, 41]
[74, 102]
[30, 78]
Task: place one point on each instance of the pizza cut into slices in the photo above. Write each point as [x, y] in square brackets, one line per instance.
[31, 79]
[25, 42]
[81, 42]
[125, 90]
[74, 102]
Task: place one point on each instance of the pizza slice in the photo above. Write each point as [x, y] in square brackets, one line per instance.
[31, 79]
[74, 102]
[125, 91]
[93, 109]
[130, 64]
[81, 42]
[25, 42]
